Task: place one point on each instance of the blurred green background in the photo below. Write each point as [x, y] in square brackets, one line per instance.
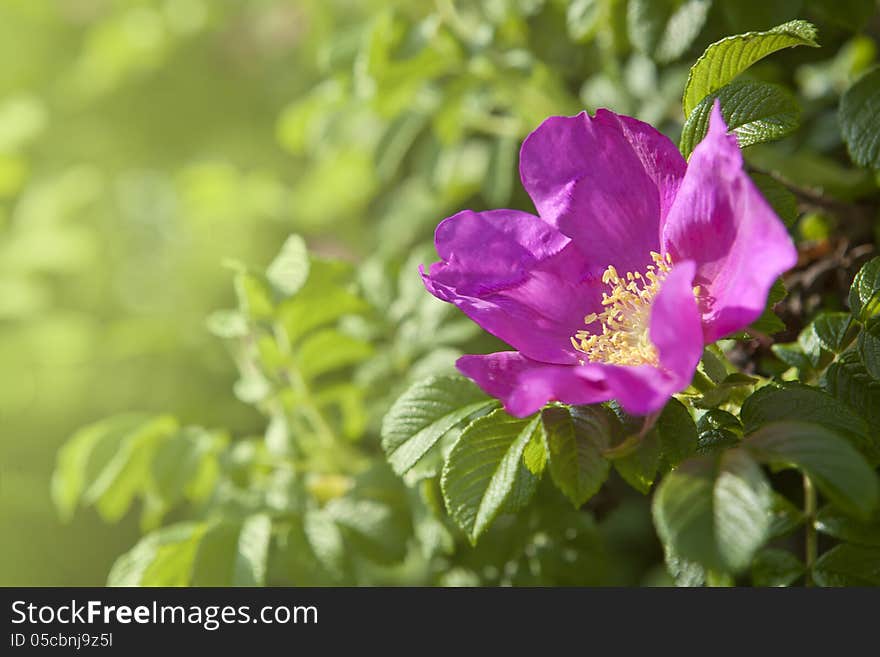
[145, 142]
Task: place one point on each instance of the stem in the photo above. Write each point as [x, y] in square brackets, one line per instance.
[811, 539]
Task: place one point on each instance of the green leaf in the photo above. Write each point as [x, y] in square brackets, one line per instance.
[664, 29]
[869, 349]
[725, 59]
[714, 511]
[90, 444]
[775, 567]
[183, 466]
[228, 324]
[482, 467]
[576, 437]
[324, 298]
[849, 381]
[370, 527]
[640, 461]
[254, 298]
[839, 471]
[163, 558]
[756, 112]
[848, 565]
[864, 294]
[326, 541]
[832, 522]
[833, 330]
[329, 350]
[288, 272]
[783, 202]
[859, 117]
[678, 433]
[252, 554]
[126, 472]
[799, 402]
[785, 517]
[426, 413]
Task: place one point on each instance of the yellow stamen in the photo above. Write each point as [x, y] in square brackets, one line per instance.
[624, 339]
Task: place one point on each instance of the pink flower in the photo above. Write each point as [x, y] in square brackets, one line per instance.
[636, 261]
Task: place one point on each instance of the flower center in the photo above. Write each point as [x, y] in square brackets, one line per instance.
[625, 320]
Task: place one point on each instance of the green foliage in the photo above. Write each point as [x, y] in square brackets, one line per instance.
[575, 439]
[353, 453]
[484, 471]
[715, 510]
[859, 116]
[727, 58]
[756, 112]
[837, 469]
[426, 413]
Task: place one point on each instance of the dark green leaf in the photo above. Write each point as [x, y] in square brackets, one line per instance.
[774, 567]
[575, 438]
[848, 565]
[859, 118]
[864, 294]
[678, 433]
[832, 463]
[834, 523]
[869, 349]
[799, 402]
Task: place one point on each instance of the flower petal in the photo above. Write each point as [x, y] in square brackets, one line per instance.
[607, 181]
[524, 385]
[517, 277]
[675, 328]
[721, 221]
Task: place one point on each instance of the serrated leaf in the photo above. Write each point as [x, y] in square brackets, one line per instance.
[775, 567]
[864, 293]
[714, 511]
[833, 330]
[482, 467]
[837, 469]
[575, 438]
[849, 381]
[832, 522]
[799, 402]
[725, 59]
[859, 117]
[424, 414]
[869, 349]
[288, 272]
[848, 565]
[756, 112]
